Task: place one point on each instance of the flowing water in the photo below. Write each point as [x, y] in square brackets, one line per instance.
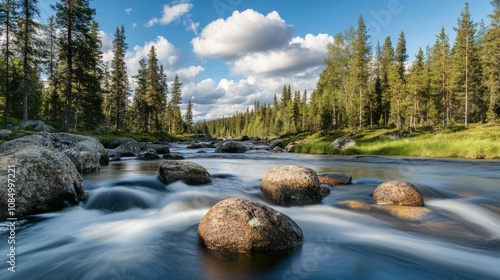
[133, 227]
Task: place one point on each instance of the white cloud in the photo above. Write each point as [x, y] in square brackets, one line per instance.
[248, 31]
[298, 55]
[171, 14]
[128, 10]
[134, 25]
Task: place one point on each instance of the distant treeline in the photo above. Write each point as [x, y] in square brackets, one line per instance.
[361, 86]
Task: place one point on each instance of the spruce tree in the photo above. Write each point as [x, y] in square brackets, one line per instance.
[73, 19]
[189, 115]
[175, 118]
[386, 61]
[362, 53]
[119, 80]
[465, 59]
[140, 99]
[491, 62]
[154, 93]
[29, 42]
[8, 19]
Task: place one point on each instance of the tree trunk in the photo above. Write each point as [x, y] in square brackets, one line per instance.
[25, 63]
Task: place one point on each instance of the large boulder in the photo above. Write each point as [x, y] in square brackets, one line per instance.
[343, 143]
[231, 147]
[334, 179]
[86, 152]
[33, 125]
[240, 225]
[44, 180]
[291, 185]
[397, 193]
[148, 154]
[189, 172]
[120, 141]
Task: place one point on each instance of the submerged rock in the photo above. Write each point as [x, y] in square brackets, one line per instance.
[291, 185]
[231, 147]
[334, 179]
[343, 143]
[240, 225]
[45, 181]
[86, 152]
[148, 154]
[119, 199]
[172, 156]
[406, 213]
[188, 172]
[325, 191]
[398, 193]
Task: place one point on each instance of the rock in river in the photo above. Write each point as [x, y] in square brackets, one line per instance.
[148, 154]
[231, 147]
[292, 185]
[240, 225]
[398, 193]
[334, 179]
[45, 180]
[86, 152]
[189, 172]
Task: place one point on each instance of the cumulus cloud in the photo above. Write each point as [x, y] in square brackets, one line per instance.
[128, 10]
[298, 55]
[174, 13]
[248, 31]
[107, 46]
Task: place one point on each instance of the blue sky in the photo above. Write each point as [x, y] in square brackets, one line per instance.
[230, 53]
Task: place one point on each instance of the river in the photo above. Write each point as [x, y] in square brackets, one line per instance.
[133, 227]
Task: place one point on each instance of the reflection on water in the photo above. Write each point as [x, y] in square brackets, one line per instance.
[134, 227]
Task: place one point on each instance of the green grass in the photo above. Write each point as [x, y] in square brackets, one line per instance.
[455, 142]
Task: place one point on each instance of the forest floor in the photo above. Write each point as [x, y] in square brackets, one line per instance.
[477, 141]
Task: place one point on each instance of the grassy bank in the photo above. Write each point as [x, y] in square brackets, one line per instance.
[458, 142]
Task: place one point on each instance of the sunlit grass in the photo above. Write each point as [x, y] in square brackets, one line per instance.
[478, 141]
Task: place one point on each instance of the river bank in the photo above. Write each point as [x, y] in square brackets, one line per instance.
[476, 142]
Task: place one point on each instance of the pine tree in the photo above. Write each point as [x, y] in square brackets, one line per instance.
[73, 19]
[175, 119]
[386, 61]
[88, 75]
[140, 99]
[29, 43]
[417, 87]
[441, 77]
[397, 82]
[362, 52]
[155, 95]
[119, 80]
[8, 19]
[189, 115]
[465, 59]
[491, 62]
